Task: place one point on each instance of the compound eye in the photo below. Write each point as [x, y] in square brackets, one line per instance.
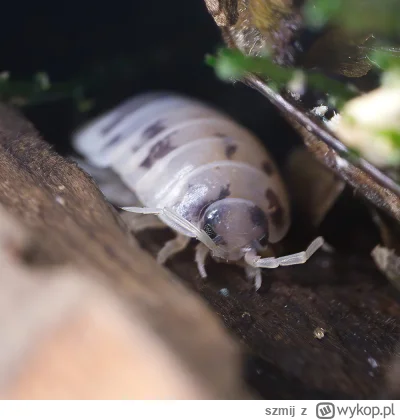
[209, 231]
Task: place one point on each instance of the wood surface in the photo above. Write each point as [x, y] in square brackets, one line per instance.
[143, 319]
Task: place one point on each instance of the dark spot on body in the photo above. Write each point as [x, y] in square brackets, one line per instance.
[154, 129]
[230, 149]
[258, 217]
[267, 167]
[221, 135]
[157, 151]
[225, 192]
[113, 140]
[275, 210]
[148, 134]
[144, 139]
[196, 211]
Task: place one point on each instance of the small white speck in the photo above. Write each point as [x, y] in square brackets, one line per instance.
[308, 127]
[320, 110]
[43, 80]
[4, 75]
[61, 187]
[371, 374]
[333, 122]
[373, 362]
[224, 292]
[341, 163]
[60, 200]
[319, 333]
[295, 96]
[259, 371]
[297, 84]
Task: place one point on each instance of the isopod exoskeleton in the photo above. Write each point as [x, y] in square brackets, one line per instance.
[200, 172]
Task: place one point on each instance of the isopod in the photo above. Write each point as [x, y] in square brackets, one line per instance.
[201, 173]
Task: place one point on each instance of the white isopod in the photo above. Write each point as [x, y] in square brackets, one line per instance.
[201, 173]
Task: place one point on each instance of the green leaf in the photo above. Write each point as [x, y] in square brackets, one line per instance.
[232, 64]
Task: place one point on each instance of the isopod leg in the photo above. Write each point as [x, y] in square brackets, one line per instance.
[137, 223]
[172, 247]
[201, 254]
[142, 210]
[254, 274]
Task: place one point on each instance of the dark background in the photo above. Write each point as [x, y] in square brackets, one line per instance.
[122, 48]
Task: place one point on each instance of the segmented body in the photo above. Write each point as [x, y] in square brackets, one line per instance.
[178, 153]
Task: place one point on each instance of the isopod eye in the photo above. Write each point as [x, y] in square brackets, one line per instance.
[210, 231]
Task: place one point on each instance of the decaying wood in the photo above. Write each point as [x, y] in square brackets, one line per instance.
[71, 223]
[65, 337]
[367, 180]
[343, 294]
[312, 186]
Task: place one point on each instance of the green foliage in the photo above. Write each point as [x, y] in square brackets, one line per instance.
[385, 59]
[40, 90]
[232, 64]
[319, 12]
[359, 16]
[393, 136]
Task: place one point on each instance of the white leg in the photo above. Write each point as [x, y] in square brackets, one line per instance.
[293, 259]
[137, 223]
[200, 257]
[175, 219]
[254, 274]
[142, 210]
[172, 247]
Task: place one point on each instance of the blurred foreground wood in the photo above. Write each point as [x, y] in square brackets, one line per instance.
[84, 312]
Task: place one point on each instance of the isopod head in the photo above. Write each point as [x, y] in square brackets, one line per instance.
[234, 225]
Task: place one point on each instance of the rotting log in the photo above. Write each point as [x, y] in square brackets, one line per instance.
[146, 312]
